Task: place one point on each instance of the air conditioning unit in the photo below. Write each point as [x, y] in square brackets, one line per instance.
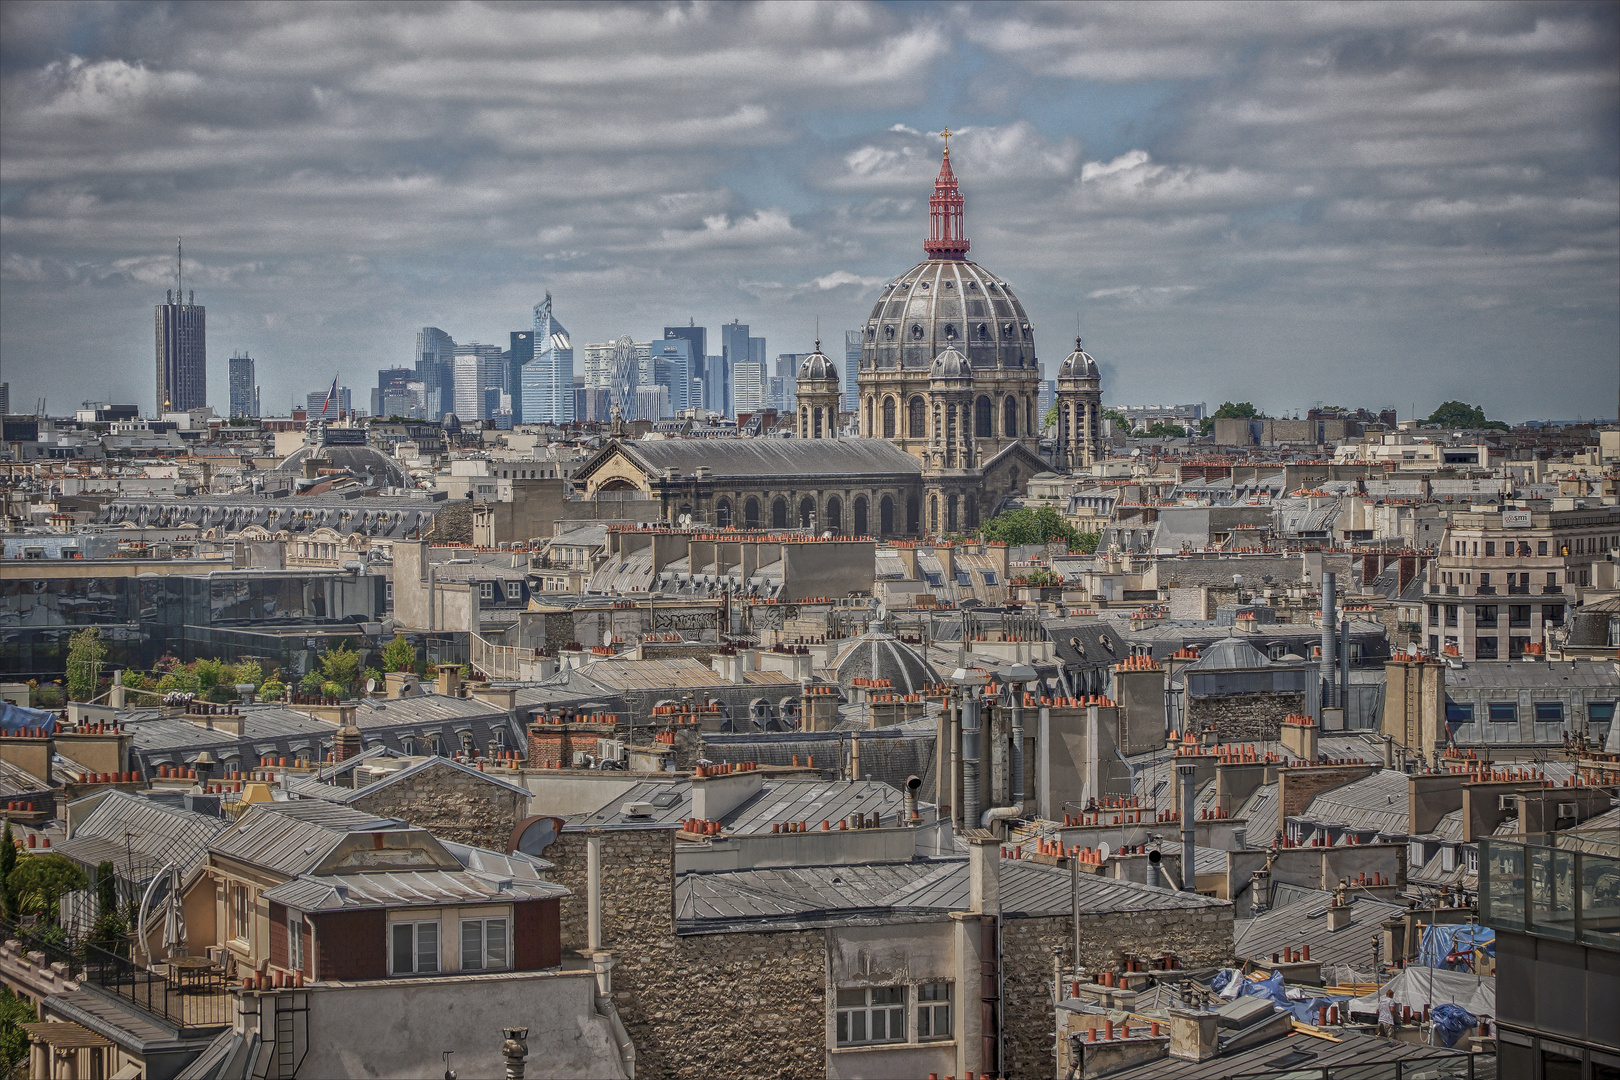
[1568, 810]
[610, 749]
[638, 809]
[583, 760]
[1507, 802]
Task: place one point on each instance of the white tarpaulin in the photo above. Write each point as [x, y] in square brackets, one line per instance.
[1418, 987]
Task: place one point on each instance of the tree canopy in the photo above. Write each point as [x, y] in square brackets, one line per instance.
[39, 881]
[1038, 526]
[1460, 414]
[85, 654]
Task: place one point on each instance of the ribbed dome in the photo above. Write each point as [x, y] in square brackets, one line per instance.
[818, 367]
[1078, 364]
[883, 656]
[948, 303]
[950, 364]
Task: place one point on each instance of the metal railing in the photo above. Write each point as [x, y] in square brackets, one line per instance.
[188, 999]
[1458, 1066]
[1563, 886]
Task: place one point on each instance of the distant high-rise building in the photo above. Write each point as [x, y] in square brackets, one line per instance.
[243, 397]
[756, 350]
[697, 338]
[182, 349]
[520, 352]
[391, 384]
[715, 367]
[478, 369]
[5, 398]
[749, 377]
[339, 404]
[624, 374]
[733, 351]
[671, 365]
[852, 367]
[546, 391]
[435, 353]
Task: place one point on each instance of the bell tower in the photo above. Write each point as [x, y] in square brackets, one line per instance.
[819, 395]
[1079, 401]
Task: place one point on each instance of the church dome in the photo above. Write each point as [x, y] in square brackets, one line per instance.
[818, 367]
[948, 303]
[950, 364]
[883, 656]
[1078, 364]
[347, 448]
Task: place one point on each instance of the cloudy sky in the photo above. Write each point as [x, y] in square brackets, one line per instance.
[1370, 204]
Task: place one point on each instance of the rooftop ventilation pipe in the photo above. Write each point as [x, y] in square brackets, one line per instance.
[912, 784]
[1330, 623]
[1189, 838]
[970, 758]
[1153, 879]
[1344, 668]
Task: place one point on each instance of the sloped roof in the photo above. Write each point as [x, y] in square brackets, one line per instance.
[750, 459]
[1306, 923]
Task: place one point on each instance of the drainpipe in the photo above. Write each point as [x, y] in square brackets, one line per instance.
[1043, 744]
[854, 756]
[954, 760]
[1344, 669]
[1018, 747]
[1189, 835]
[433, 572]
[1330, 622]
[970, 760]
[593, 890]
[912, 784]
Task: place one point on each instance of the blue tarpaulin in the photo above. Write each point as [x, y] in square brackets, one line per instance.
[1452, 946]
[1304, 1009]
[18, 718]
[1222, 977]
[1450, 1021]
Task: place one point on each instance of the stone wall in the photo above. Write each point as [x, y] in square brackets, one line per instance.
[1244, 717]
[553, 745]
[451, 804]
[1199, 938]
[1297, 787]
[719, 1005]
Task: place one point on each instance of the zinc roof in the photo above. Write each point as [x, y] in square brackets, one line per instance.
[413, 888]
[159, 831]
[292, 837]
[1306, 924]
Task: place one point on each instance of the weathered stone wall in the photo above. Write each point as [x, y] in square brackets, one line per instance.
[1201, 937]
[452, 805]
[721, 1005]
[1244, 717]
[1297, 787]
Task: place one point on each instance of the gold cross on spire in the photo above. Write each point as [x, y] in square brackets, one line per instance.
[946, 135]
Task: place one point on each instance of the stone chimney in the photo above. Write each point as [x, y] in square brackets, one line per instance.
[1192, 1034]
[715, 796]
[347, 743]
[984, 872]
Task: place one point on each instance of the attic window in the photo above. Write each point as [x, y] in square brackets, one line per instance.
[666, 800]
[1075, 644]
[1105, 642]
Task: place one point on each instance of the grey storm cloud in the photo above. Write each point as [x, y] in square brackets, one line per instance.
[1374, 204]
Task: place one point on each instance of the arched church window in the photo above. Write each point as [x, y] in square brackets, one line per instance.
[886, 516]
[916, 419]
[835, 515]
[779, 513]
[871, 332]
[888, 332]
[888, 418]
[807, 512]
[916, 331]
[1006, 330]
[950, 331]
[751, 513]
[860, 515]
[1009, 418]
[981, 418]
[984, 331]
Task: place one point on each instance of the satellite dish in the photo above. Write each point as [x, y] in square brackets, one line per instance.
[533, 835]
[371, 684]
[607, 638]
[1103, 849]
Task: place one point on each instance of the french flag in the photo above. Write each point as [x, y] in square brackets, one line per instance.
[330, 394]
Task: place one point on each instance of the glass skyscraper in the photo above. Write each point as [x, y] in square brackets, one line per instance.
[852, 367]
[182, 354]
[244, 392]
[546, 383]
[734, 350]
[435, 353]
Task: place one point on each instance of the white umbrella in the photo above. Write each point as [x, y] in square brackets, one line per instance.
[174, 919]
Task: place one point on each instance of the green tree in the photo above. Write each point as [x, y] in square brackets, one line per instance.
[1162, 430]
[1122, 426]
[311, 682]
[1460, 414]
[179, 679]
[399, 655]
[341, 664]
[14, 1012]
[210, 673]
[372, 676]
[111, 925]
[1050, 420]
[1229, 410]
[1086, 542]
[247, 671]
[85, 654]
[1026, 526]
[272, 689]
[38, 882]
[8, 863]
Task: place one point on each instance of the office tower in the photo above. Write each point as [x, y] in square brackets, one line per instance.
[242, 387]
[852, 367]
[5, 399]
[182, 348]
[749, 394]
[391, 383]
[652, 402]
[520, 352]
[339, 404]
[715, 367]
[756, 350]
[733, 351]
[478, 369]
[435, 350]
[624, 371]
[697, 338]
[671, 369]
[546, 393]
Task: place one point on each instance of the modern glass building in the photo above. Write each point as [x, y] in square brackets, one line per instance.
[182, 354]
[734, 350]
[852, 368]
[244, 391]
[545, 393]
[697, 339]
[435, 353]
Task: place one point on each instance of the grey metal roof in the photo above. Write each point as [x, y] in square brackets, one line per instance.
[122, 823]
[1306, 924]
[751, 459]
[776, 801]
[317, 786]
[884, 656]
[410, 888]
[1378, 802]
[425, 709]
[292, 837]
[1276, 1057]
[1538, 675]
[1031, 888]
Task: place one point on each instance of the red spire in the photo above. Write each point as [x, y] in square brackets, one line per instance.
[945, 239]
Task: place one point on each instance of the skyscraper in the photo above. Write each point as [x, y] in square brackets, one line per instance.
[391, 396]
[244, 401]
[625, 373]
[750, 392]
[546, 393]
[478, 368]
[698, 340]
[671, 368]
[852, 367]
[340, 403]
[520, 353]
[435, 350]
[733, 351]
[182, 348]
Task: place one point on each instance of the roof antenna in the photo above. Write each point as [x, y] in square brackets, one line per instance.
[179, 264]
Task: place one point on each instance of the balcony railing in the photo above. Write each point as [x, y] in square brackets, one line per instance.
[189, 999]
[1562, 885]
